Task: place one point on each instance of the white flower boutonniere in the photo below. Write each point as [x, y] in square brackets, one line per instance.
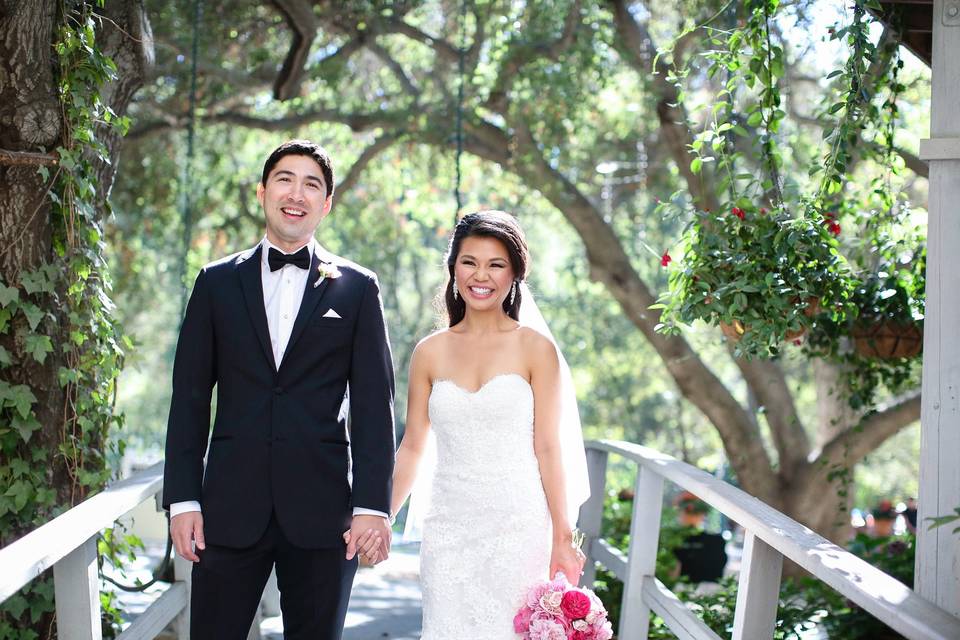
[326, 270]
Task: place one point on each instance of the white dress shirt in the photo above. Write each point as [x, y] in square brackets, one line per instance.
[282, 294]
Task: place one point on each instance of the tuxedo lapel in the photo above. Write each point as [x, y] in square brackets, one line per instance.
[311, 297]
[251, 282]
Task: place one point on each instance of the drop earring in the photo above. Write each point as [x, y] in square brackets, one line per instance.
[455, 294]
[513, 292]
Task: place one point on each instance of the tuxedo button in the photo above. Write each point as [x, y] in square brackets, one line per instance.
[278, 391]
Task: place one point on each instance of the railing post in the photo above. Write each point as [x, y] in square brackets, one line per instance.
[642, 556]
[77, 593]
[591, 513]
[758, 593]
[182, 572]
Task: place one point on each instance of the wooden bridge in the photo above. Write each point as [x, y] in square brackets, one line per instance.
[68, 544]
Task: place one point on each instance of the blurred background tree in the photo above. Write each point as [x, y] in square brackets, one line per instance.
[570, 120]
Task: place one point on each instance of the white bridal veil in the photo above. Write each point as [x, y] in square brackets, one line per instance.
[573, 455]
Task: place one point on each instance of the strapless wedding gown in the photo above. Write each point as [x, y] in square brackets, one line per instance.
[486, 536]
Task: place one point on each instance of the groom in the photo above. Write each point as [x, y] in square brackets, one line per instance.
[281, 330]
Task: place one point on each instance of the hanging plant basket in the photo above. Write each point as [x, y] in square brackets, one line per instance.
[760, 275]
[888, 340]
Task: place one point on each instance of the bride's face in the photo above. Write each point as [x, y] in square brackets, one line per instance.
[483, 272]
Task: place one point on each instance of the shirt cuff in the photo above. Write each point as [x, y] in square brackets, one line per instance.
[184, 507]
[360, 511]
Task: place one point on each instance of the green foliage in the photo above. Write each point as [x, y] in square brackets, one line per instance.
[68, 314]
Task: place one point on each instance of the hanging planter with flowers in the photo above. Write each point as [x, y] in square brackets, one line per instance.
[762, 276]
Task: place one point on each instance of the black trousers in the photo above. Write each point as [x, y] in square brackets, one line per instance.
[228, 583]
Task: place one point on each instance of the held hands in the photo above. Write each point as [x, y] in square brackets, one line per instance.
[370, 536]
[187, 529]
[567, 557]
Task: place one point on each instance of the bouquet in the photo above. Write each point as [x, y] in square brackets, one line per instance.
[557, 610]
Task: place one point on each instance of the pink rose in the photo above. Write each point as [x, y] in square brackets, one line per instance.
[604, 631]
[533, 596]
[575, 604]
[550, 602]
[521, 621]
[547, 630]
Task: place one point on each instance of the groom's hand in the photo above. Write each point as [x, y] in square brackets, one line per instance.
[185, 529]
[369, 535]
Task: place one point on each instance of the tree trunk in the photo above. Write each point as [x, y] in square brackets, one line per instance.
[31, 127]
[29, 122]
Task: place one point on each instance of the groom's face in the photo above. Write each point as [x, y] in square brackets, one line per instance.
[294, 201]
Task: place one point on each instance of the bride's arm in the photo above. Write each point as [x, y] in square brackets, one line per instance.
[546, 383]
[415, 432]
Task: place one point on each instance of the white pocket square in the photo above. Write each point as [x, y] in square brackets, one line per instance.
[331, 314]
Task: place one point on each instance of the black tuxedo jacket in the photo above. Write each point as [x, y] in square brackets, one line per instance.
[277, 443]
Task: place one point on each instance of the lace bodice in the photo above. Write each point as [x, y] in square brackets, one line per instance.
[486, 537]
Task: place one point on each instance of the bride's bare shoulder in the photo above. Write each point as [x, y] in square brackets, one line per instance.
[533, 338]
[432, 343]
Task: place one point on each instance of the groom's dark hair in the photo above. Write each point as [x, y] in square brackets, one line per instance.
[501, 226]
[301, 148]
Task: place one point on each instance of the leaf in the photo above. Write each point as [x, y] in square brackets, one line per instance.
[38, 346]
[8, 295]
[25, 426]
[36, 281]
[20, 492]
[67, 376]
[33, 313]
[16, 605]
[21, 397]
[5, 358]
[695, 165]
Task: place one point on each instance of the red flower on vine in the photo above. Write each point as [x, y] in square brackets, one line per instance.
[763, 211]
[665, 259]
[737, 211]
[834, 228]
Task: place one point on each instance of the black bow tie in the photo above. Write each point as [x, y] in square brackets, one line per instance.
[276, 259]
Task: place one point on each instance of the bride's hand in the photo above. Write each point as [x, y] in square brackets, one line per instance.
[366, 560]
[568, 558]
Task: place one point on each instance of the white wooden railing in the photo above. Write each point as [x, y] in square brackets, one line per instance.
[68, 543]
[770, 537]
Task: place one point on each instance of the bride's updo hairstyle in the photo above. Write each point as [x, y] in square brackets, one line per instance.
[487, 224]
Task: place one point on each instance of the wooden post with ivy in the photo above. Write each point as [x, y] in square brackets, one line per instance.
[938, 550]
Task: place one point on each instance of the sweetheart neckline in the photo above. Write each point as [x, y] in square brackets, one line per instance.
[482, 386]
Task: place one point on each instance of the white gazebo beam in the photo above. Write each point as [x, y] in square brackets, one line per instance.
[938, 550]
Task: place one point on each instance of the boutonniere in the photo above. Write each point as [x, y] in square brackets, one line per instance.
[326, 270]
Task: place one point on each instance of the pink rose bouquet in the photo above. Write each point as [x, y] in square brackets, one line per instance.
[557, 610]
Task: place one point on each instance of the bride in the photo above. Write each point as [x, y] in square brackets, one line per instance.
[491, 389]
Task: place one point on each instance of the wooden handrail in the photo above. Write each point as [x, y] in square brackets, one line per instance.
[879, 594]
[34, 553]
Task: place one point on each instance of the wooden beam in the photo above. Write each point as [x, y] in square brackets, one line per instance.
[680, 620]
[938, 550]
[642, 554]
[76, 587]
[758, 593]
